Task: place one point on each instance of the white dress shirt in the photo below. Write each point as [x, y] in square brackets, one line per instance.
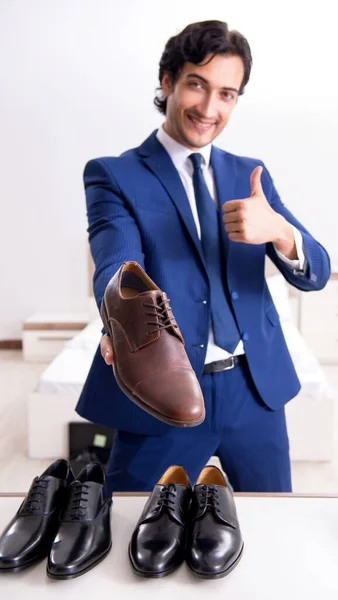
[179, 155]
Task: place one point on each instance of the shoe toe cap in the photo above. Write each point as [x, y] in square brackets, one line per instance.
[175, 393]
[216, 559]
[17, 551]
[155, 557]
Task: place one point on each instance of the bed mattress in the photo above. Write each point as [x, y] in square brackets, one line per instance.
[67, 373]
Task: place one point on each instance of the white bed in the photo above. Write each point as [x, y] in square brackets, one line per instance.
[67, 372]
[309, 415]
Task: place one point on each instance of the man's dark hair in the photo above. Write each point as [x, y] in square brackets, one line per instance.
[194, 43]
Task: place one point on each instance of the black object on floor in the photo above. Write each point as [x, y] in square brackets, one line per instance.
[87, 443]
[27, 539]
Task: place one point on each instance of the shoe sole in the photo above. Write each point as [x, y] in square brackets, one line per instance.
[218, 575]
[148, 575]
[79, 573]
[24, 566]
[130, 394]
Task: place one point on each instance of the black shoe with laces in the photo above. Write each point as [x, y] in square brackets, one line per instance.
[214, 545]
[29, 536]
[84, 535]
[157, 545]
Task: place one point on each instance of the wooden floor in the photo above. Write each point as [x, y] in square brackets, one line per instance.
[18, 378]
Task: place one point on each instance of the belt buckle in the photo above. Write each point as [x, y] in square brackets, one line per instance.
[231, 366]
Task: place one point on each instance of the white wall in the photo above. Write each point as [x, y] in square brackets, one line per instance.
[78, 79]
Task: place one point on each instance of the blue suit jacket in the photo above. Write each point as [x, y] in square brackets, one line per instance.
[138, 210]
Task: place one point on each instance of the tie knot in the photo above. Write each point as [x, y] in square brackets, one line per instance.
[196, 159]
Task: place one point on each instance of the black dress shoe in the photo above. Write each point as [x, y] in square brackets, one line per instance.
[84, 535]
[215, 542]
[158, 543]
[29, 536]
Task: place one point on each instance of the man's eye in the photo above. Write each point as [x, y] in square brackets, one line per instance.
[228, 96]
[196, 84]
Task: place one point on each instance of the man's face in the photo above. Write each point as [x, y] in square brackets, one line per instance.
[200, 103]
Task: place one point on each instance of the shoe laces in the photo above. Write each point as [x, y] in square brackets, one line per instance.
[78, 501]
[165, 496]
[165, 319]
[36, 496]
[209, 497]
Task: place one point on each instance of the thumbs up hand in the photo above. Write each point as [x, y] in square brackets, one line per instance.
[255, 182]
[253, 221]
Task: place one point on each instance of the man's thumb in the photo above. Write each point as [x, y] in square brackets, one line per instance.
[106, 349]
[255, 182]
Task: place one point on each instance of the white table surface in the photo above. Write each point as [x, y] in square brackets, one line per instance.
[291, 551]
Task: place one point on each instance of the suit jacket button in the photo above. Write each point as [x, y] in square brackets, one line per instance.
[201, 345]
[245, 336]
[234, 295]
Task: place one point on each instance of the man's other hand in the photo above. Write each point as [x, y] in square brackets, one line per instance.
[106, 349]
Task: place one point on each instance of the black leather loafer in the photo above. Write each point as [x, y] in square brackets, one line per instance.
[84, 535]
[215, 542]
[157, 545]
[29, 536]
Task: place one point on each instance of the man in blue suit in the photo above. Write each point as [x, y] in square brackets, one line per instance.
[201, 221]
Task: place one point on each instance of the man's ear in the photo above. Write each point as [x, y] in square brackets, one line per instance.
[166, 84]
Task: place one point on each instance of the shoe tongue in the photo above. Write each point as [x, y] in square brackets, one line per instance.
[59, 469]
[91, 473]
[38, 501]
[157, 295]
[52, 481]
[90, 502]
[93, 485]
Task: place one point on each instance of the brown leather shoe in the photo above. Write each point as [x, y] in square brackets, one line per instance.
[150, 363]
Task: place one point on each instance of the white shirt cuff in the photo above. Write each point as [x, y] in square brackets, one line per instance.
[297, 264]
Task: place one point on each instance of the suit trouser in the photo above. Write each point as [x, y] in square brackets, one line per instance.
[250, 440]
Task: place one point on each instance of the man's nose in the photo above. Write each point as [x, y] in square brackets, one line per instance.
[208, 108]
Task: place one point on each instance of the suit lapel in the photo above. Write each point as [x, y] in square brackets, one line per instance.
[160, 163]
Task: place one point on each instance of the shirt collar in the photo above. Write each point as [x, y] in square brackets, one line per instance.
[179, 153]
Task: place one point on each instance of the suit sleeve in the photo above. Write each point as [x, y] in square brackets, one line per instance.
[299, 263]
[318, 268]
[113, 233]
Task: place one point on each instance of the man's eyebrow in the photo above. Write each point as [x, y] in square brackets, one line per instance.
[225, 88]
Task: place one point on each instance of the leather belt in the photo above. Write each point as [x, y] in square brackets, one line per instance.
[222, 365]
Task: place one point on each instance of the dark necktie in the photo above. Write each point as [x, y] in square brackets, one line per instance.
[224, 326]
